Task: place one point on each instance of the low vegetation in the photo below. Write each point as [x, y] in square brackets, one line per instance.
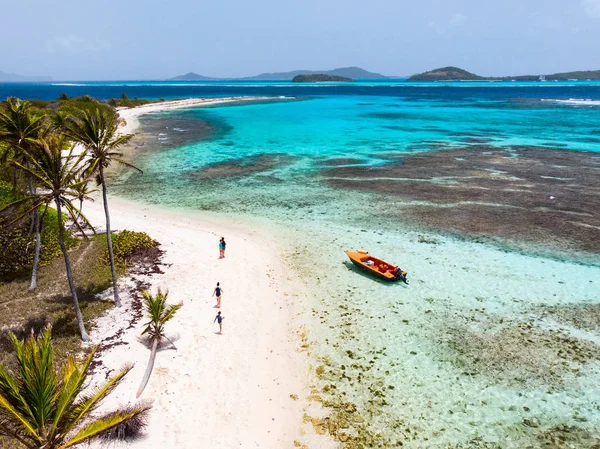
[128, 245]
[22, 311]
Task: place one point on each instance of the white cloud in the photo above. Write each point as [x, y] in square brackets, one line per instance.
[591, 8]
[458, 19]
[76, 44]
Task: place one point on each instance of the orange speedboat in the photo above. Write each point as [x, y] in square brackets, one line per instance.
[376, 266]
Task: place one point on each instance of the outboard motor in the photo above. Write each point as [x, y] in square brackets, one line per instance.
[401, 275]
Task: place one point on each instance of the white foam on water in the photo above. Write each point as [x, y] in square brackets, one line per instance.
[576, 101]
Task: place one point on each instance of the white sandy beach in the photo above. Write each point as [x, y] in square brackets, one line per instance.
[231, 390]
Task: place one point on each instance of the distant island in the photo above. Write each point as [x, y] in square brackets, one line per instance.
[458, 74]
[320, 77]
[347, 72]
[14, 78]
[191, 76]
[446, 74]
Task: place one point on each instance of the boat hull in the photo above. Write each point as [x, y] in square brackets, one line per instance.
[360, 259]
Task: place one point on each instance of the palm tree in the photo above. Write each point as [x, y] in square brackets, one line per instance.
[45, 408]
[158, 313]
[97, 132]
[58, 177]
[19, 128]
[82, 190]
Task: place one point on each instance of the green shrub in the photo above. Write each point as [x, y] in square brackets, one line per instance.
[17, 243]
[128, 243]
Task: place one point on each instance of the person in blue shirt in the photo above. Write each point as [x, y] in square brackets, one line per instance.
[222, 246]
[219, 318]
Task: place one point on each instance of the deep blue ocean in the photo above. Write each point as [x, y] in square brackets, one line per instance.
[387, 88]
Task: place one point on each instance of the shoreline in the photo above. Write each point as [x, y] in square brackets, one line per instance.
[130, 115]
[236, 388]
[413, 364]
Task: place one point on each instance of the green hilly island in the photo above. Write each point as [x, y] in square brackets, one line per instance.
[457, 74]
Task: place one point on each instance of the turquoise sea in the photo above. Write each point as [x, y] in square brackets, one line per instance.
[487, 347]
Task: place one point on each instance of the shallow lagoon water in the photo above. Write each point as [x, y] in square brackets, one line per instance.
[467, 355]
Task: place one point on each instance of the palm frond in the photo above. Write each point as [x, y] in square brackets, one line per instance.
[102, 425]
[44, 408]
[87, 403]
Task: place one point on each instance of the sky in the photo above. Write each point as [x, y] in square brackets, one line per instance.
[150, 39]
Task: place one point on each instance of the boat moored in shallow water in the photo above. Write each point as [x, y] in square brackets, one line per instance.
[376, 266]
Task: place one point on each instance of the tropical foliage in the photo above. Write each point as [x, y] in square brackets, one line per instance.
[17, 244]
[97, 132]
[57, 174]
[46, 408]
[159, 313]
[19, 128]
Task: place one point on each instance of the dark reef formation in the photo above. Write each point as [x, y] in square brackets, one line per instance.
[522, 194]
[237, 168]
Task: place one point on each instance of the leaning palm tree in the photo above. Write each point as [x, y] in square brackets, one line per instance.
[158, 313]
[45, 408]
[19, 127]
[96, 130]
[58, 177]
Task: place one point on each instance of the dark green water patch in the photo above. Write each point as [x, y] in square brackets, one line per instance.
[476, 140]
[390, 115]
[238, 168]
[340, 162]
[587, 140]
[554, 144]
[160, 131]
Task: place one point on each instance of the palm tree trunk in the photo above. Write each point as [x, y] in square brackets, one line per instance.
[38, 240]
[38, 246]
[111, 257]
[61, 241]
[148, 368]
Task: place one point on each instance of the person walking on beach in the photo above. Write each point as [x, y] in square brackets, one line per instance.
[217, 292]
[219, 318]
[222, 246]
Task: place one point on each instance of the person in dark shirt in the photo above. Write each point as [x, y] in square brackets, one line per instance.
[219, 318]
[217, 292]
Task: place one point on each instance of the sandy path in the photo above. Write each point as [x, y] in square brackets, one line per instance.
[231, 390]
